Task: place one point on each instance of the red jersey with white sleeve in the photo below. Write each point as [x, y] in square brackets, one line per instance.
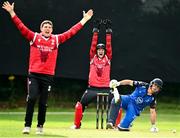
[43, 51]
[99, 74]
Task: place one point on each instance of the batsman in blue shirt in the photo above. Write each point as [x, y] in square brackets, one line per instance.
[144, 95]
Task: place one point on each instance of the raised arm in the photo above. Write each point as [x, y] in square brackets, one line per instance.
[28, 34]
[94, 41]
[73, 30]
[108, 23]
[93, 45]
[108, 46]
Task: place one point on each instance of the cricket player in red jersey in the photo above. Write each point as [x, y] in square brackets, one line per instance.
[42, 62]
[99, 73]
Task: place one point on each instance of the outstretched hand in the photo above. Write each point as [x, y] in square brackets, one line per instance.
[9, 7]
[87, 15]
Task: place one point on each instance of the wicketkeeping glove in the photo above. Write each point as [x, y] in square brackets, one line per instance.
[96, 25]
[108, 24]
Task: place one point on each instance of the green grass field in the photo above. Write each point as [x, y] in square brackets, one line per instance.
[58, 125]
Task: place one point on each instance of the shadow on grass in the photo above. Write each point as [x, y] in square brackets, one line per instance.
[49, 135]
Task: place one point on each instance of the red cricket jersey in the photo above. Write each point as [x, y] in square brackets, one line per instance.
[99, 73]
[43, 51]
[43, 54]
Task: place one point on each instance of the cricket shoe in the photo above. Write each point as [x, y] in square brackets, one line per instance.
[123, 129]
[110, 125]
[154, 129]
[39, 131]
[75, 127]
[26, 130]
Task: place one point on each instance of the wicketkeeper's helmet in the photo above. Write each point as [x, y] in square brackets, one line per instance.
[100, 46]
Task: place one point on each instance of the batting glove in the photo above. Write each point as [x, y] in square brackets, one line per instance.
[114, 83]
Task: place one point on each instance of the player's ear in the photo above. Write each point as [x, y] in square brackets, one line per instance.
[40, 28]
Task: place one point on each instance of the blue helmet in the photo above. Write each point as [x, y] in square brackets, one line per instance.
[157, 81]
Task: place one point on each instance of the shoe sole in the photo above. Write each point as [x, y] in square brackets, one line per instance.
[38, 133]
[25, 132]
[123, 129]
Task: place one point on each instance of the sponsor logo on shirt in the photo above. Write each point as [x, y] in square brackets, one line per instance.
[45, 50]
[139, 100]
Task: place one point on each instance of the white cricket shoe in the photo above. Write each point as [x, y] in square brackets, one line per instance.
[39, 131]
[26, 130]
[74, 127]
[154, 129]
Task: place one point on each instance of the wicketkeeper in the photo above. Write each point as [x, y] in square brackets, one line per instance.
[144, 95]
[99, 72]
